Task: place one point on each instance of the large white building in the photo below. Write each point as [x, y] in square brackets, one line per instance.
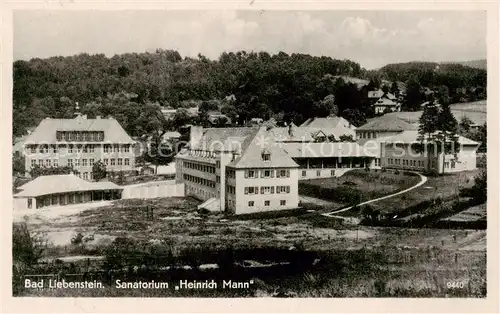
[393, 140]
[79, 143]
[237, 170]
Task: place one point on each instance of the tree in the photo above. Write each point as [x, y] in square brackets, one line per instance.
[465, 124]
[159, 154]
[37, 171]
[18, 164]
[354, 116]
[99, 171]
[479, 189]
[413, 97]
[446, 136]
[426, 130]
[395, 89]
[325, 107]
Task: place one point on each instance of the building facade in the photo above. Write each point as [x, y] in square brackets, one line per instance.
[238, 170]
[400, 152]
[79, 143]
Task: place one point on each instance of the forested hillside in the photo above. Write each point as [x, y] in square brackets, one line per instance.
[288, 87]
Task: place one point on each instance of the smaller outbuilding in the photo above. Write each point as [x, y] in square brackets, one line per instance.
[60, 190]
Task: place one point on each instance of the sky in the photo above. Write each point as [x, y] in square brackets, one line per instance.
[371, 38]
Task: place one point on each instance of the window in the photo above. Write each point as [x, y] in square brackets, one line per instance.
[33, 149]
[85, 175]
[217, 179]
[115, 148]
[106, 161]
[91, 148]
[318, 173]
[332, 173]
[266, 156]
[40, 162]
[251, 190]
[120, 161]
[30, 202]
[453, 164]
[112, 161]
[107, 148]
[127, 161]
[280, 189]
[250, 174]
[91, 161]
[33, 162]
[48, 162]
[77, 162]
[303, 173]
[267, 174]
[217, 163]
[267, 203]
[84, 162]
[282, 173]
[56, 163]
[250, 203]
[282, 202]
[70, 162]
[54, 149]
[446, 164]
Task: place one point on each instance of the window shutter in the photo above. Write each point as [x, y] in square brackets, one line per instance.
[256, 189]
[272, 173]
[272, 190]
[288, 189]
[278, 189]
[262, 173]
[246, 190]
[288, 173]
[277, 173]
[261, 190]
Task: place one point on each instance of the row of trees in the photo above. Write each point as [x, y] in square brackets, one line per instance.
[291, 87]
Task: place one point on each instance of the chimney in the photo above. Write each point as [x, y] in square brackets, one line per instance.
[195, 134]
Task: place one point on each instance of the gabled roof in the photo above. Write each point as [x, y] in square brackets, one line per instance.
[327, 122]
[385, 102]
[46, 130]
[63, 183]
[409, 137]
[254, 146]
[308, 134]
[387, 123]
[224, 139]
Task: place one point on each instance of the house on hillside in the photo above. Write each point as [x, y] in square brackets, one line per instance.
[237, 170]
[78, 143]
[384, 102]
[60, 190]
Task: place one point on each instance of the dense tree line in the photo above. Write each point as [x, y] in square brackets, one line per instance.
[131, 86]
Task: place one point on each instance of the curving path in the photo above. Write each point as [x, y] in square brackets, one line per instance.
[354, 220]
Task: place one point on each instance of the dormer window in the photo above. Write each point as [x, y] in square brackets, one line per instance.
[266, 155]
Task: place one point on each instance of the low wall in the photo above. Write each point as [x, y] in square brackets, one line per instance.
[153, 189]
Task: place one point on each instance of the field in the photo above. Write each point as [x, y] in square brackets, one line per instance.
[440, 187]
[349, 261]
[357, 186]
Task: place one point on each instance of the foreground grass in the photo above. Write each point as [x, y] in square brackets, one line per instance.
[365, 272]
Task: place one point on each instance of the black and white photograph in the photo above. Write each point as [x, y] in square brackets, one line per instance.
[247, 153]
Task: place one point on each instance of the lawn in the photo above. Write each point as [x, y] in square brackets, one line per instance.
[358, 186]
[442, 187]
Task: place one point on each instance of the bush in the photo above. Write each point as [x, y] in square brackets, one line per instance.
[26, 247]
[77, 239]
[396, 172]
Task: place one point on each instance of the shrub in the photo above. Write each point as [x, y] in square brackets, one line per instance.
[27, 248]
[396, 172]
[77, 239]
